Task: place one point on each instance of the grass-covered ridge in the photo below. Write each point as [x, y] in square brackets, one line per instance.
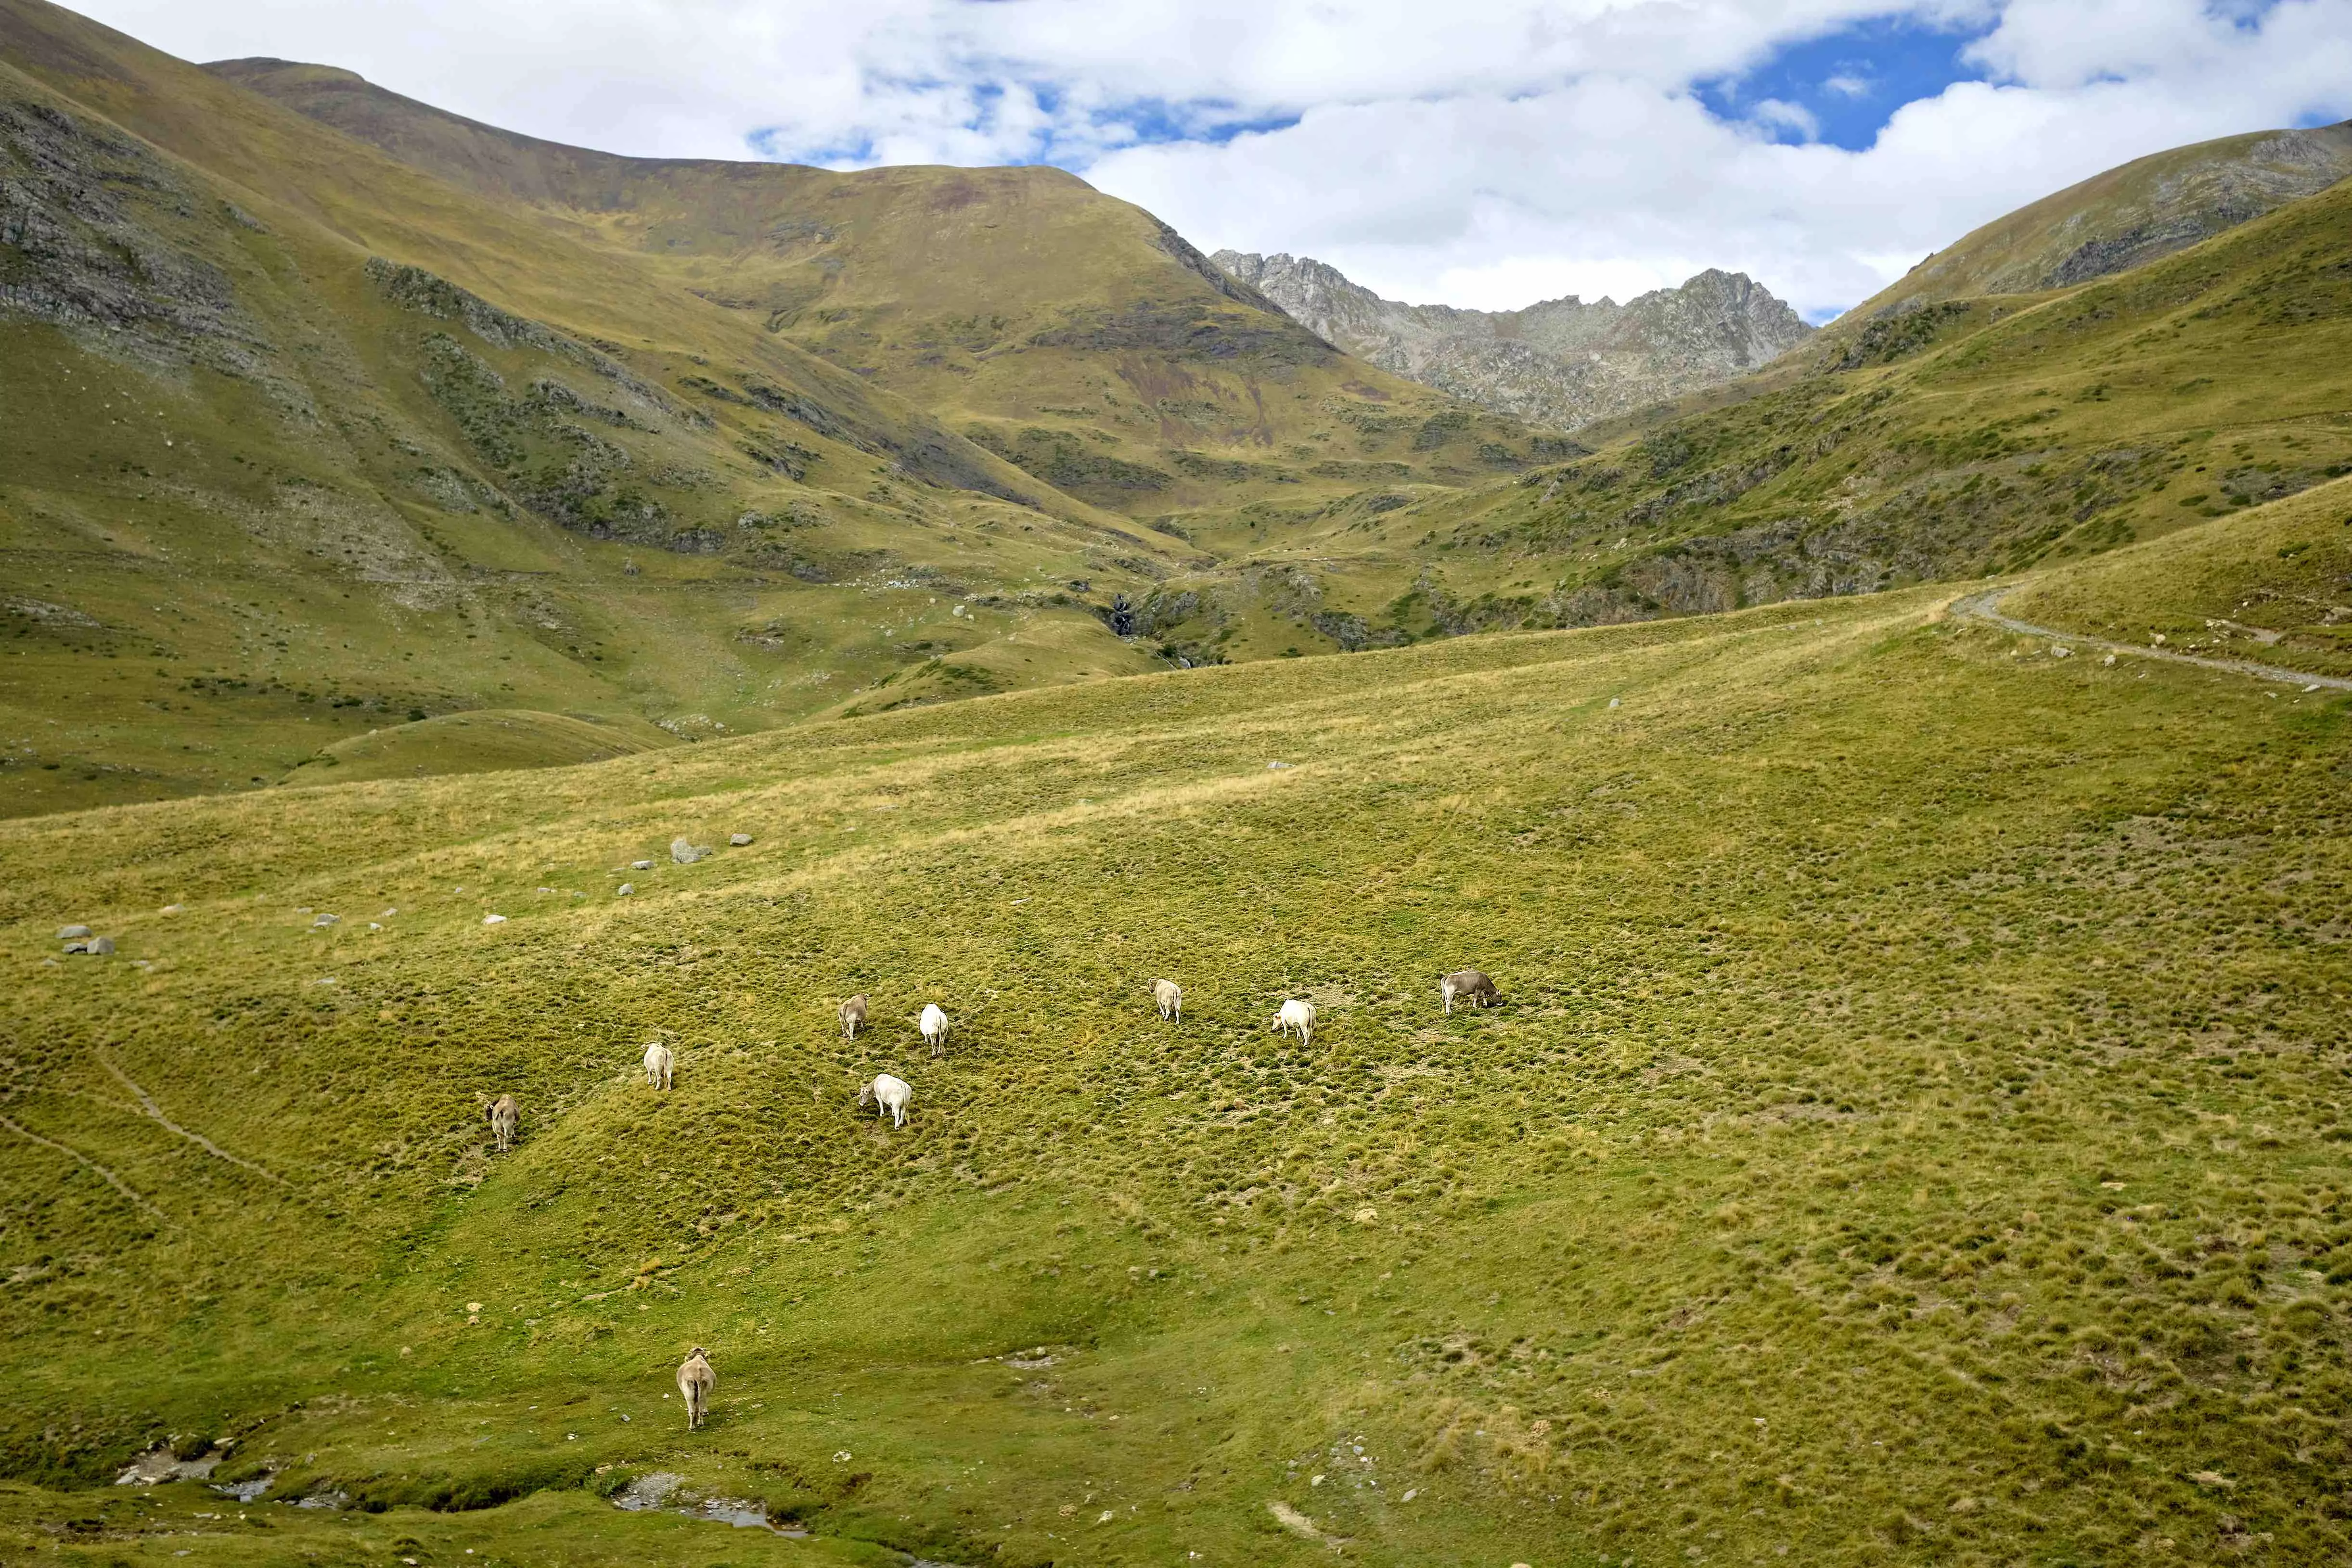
[1914, 1124]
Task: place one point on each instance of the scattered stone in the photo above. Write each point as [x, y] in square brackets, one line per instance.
[69, 933]
[2109, 660]
[494, 919]
[624, 889]
[174, 910]
[641, 865]
[1273, 767]
[2313, 687]
[1613, 703]
[159, 1465]
[326, 921]
[738, 840]
[2056, 652]
[96, 946]
[686, 854]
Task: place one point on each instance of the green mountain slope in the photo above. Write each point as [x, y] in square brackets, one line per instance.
[1968, 437]
[1076, 335]
[299, 441]
[1912, 1127]
[2136, 212]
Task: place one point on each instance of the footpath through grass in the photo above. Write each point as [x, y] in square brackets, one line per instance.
[1914, 1129]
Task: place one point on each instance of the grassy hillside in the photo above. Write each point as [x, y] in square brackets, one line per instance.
[417, 417]
[1975, 437]
[1913, 1128]
[2276, 587]
[269, 485]
[1073, 335]
[298, 442]
[2128, 216]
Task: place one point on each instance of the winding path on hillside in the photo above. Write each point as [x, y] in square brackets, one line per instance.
[1985, 607]
[147, 1103]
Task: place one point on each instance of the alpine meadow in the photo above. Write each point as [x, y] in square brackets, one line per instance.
[474, 609]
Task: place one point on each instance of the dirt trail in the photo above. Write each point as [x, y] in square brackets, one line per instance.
[111, 1180]
[147, 1102]
[1985, 607]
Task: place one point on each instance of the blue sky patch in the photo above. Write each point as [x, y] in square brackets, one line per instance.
[1846, 85]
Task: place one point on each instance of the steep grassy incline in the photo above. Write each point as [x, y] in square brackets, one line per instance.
[701, 445]
[1073, 335]
[266, 485]
[1970, 438]
[2128, 216]
[1914, 1125]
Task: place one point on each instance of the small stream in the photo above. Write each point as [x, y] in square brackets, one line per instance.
[649, 1493]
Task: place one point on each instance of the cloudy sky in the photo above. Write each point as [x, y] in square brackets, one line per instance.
[1486, 153]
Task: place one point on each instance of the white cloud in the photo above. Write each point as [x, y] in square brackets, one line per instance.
[1487, 151]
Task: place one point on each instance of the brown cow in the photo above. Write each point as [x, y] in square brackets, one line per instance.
[695, 1382]
[1471, 985]
[506, 1119]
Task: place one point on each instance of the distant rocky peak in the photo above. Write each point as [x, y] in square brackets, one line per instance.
[1563, 362]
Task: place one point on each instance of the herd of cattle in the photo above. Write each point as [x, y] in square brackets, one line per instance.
[887, 1094]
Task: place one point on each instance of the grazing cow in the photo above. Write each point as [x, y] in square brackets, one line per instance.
[659, 1064]
[695, 1382]
[1300, 1016]
[506, 1118]
[853, 1014]
[1170, 998]
[886, 1093]
[934, 1025]
[1472, 985]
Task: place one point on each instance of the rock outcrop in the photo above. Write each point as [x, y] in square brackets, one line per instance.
[1561, 363]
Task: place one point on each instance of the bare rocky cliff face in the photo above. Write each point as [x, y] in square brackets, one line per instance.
[1561, 363]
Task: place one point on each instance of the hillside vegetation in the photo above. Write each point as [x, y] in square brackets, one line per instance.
[1970, 438]
[1913, 1128]
[300, 442]
[330, 414]
[2133, 214]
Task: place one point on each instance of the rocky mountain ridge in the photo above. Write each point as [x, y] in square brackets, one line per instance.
[1563, 362]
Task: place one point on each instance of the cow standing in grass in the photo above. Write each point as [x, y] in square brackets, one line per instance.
[506, 1119]
[886, 1093]
[934, 1025]
[1170, 998]
[1470, 985]
[1299, 1017]
[852, 1014]
[695, 1382]
[659, 1063]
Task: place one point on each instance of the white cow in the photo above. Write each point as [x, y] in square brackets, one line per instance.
[886, 1093]
[658, 1064]
[1170, 998]
[934, 1025]
[1300, 1016]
